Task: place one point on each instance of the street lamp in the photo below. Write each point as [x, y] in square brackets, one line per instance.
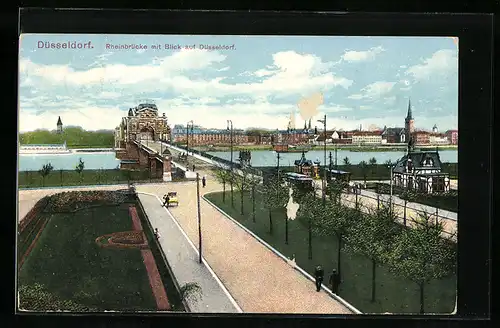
[230, 129]
[187, 135]
[324, 163]
[199, 215]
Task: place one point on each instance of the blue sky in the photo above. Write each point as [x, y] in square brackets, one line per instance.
[257, 83]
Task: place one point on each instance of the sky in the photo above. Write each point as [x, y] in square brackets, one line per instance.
[255, 81]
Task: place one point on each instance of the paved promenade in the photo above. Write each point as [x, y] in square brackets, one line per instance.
[259, 280]
[183, 260]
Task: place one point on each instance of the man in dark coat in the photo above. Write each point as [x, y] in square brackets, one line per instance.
[204, 181]
[166, 199]
[334, 281]
[319, 274]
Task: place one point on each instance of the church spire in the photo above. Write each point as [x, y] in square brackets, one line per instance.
[309, 124]
[409, 116]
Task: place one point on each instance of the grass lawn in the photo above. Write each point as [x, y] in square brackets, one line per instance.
[393, 294]
[33, 179]
[68, 262]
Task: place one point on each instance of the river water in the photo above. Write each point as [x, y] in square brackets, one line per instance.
[269, 158]
[107, 160]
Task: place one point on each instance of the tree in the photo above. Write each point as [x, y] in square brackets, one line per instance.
[222, 175]
[276, 197]
[373, 163]
[253, 182]
[388, 162]
[45, 171]
[100, 176]
[346, 161]
[334, 189]
[421, 253]
[308, 211]
[241, 181]
[364, 169]
[79, 169]
[191, 291]
[373, 236]
[334, 219]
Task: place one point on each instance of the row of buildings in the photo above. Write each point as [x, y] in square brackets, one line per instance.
[143, 122]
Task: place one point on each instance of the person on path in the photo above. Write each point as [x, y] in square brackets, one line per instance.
[334, 281]
[319, 274]
[166, 199]
[193, 167]
[204, 181]
[157, 234]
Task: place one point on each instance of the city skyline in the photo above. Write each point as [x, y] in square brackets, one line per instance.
[364, 80]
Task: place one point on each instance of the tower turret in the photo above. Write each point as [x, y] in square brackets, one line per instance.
[59, 125]
[409, 122]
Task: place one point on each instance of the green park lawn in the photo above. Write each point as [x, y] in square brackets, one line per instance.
[393, 294]
[69, 264]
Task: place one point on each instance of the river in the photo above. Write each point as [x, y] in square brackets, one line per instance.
[262, 158]
[93, 161]
[107, 160]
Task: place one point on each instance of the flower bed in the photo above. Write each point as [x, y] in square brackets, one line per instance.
[124, 239]
[72, 201]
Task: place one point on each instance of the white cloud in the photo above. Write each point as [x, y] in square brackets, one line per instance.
[442, 62]
[291, 73]
[374, 90]
[356, 56]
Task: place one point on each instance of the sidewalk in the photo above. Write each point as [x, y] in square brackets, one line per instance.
[259, 280]
[183, 260]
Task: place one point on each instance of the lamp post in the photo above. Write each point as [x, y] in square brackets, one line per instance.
[230, 128]
[324, 163]
[187, 135]
[199, 215]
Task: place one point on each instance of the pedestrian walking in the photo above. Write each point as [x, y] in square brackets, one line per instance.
[204, 181]
[193, 167]
[334, 281]
[319, 274]
[166, 199]
[157, 234]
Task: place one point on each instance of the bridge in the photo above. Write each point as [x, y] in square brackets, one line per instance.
[137, 155]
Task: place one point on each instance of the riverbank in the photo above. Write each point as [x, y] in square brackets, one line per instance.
[353, 148]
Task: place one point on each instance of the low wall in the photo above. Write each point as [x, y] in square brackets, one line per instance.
[39, 207]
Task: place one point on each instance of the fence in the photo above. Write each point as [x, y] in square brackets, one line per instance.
[405, 211]
[33, 179]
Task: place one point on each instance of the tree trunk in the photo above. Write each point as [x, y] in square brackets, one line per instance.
[374, 272]
[404, 215]
[421, 285]
[286, 230]
[232, 194]
[253, 203]
[61, 176]
[241, 199]
[310, 252]
[339, 237]
[378, 201]
[224, 191]
[270, 222]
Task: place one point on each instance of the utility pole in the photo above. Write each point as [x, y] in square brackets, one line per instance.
[324, 163]
[330, 163]
[199, 215]
[230, 128]
[336, 167]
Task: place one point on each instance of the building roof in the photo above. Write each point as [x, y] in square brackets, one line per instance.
[393, 131]
[59, 122]
[419, 158]
[366, 133]
[303, 161]
[338, 171]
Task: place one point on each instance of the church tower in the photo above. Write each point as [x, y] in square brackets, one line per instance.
[409, 122]
[59, 125]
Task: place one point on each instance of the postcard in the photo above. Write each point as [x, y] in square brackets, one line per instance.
[237, 174]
